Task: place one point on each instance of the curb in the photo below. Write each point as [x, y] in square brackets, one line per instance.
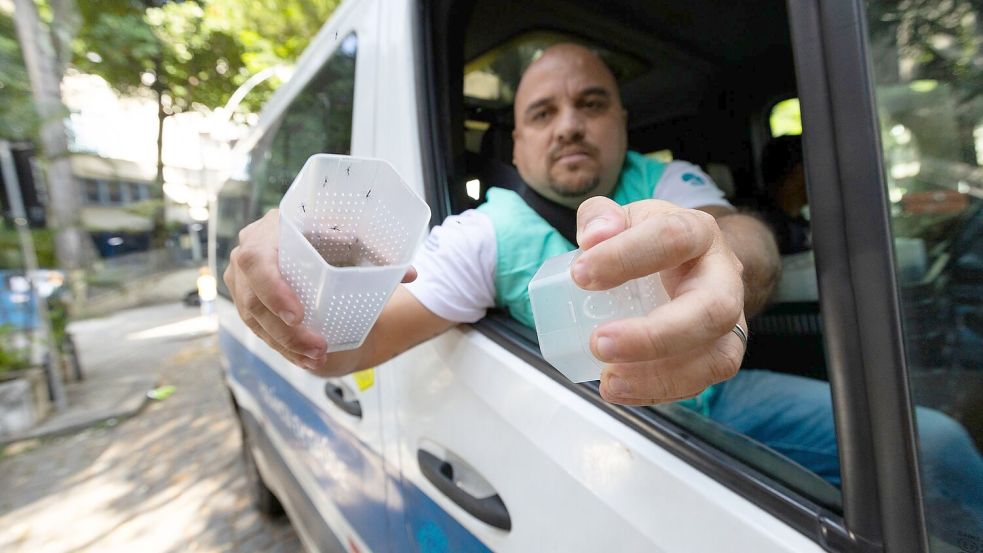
[136, 392]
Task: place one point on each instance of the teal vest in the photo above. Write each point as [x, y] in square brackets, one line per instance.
[524, 240]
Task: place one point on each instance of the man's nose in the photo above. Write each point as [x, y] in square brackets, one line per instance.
[570, 126]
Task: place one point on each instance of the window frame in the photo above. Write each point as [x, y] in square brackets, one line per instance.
[442, 23]
[855, 259]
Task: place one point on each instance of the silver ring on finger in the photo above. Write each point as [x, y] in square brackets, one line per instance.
[741, 333]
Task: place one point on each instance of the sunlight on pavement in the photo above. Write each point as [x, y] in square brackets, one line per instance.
[190, 327]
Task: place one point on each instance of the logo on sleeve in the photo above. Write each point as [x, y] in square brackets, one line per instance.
[693, 179]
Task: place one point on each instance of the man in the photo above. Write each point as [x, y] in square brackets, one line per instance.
[570, 147]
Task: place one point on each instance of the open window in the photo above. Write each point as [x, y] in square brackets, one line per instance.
[694, 79]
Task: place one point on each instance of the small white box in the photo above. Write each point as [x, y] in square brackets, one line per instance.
[348, 230]
[566, 314]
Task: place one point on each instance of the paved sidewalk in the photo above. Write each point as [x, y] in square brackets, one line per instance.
[120, 360]
[168, 479]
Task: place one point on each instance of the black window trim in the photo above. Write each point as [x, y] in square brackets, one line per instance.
[854, 257]
[433, 25]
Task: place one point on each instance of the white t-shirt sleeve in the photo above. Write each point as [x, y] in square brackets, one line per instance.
[456, 268]
[686, 185]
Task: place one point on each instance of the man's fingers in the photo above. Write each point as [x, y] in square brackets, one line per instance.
[673, 379]
[295, 358]
[410, 275]
[649, 245]
[598, 219]
[293, 338]
[707, 307]
[260, 272]
[296, 339]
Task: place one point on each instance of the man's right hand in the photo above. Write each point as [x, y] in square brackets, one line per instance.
[265, 301]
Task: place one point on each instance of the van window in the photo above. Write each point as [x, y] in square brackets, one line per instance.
[928, 74]
[688, 99]
[318, 120]
[785, 118]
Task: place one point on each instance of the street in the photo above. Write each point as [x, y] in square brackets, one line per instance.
[168, 479]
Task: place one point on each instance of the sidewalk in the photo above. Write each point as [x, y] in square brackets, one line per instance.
[120, 356]
[169, 480]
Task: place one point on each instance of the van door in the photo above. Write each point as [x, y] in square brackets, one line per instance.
[326, 432]
[495, 453]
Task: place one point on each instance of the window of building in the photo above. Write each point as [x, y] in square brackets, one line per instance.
[92, 191]
[115, 192]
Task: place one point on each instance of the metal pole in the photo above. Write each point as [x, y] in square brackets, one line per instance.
[31, 267]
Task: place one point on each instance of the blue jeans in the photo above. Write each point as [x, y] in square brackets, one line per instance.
[794, 416]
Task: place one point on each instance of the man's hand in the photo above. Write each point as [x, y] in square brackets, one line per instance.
[266, 302]
[681, 347]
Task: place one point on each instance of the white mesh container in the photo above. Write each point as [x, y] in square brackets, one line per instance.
[348, 230]
[566, 314]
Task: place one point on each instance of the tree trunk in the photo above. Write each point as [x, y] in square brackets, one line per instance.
[160, 221]
[71, 243]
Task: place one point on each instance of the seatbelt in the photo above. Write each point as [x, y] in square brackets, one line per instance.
[504, 175]
[560, 217]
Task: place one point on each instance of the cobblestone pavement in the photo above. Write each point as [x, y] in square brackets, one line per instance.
[169, 479]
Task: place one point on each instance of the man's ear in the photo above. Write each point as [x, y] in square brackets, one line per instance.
[515, 137]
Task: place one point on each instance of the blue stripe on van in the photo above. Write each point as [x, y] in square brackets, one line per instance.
[345, 462]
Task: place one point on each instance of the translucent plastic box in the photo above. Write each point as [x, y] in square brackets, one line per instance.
[566, 314]
[348, 230]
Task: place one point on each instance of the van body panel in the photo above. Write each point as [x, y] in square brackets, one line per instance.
[572, 478]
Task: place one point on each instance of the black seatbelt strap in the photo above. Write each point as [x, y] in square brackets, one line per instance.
[562, 218]
[504, 175]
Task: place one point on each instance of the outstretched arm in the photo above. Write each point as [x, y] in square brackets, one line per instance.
[754, 245]
[271, 309]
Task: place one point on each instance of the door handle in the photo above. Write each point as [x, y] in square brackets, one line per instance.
[490, 510]
[336, 394]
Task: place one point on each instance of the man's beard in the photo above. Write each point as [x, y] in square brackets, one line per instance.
[567, 192]
[583, 189]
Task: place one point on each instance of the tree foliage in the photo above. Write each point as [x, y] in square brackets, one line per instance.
[200, 51]
[270, 32]
[18, 120]
[171, 48]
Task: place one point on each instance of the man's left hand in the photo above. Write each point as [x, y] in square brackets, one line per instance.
[684, 346]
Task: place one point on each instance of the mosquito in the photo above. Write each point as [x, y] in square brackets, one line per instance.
[302, 208]
[348, 170]
[367, 194]
[335, 228]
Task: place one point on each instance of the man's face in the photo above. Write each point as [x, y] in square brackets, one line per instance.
[570, 136]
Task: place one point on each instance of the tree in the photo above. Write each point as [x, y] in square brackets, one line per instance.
[270, 33]
[18, 121]
[44, 70]
[168, 48]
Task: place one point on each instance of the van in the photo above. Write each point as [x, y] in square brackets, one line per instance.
[472, 442]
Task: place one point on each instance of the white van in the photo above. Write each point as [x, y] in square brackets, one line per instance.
[472, 442]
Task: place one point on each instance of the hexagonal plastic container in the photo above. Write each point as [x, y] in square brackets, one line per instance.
[566, 314]
[348, 230]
